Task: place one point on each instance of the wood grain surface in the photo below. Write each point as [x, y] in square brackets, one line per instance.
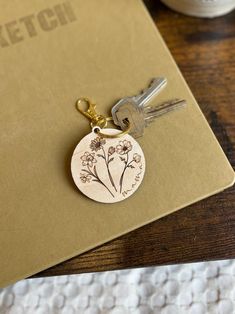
[108, 170]
[204, 51]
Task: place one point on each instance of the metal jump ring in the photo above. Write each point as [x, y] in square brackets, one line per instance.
[124, 132]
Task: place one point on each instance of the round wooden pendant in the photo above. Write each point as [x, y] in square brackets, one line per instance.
[108, 170]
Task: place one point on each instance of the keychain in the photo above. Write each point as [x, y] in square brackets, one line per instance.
[108, 165]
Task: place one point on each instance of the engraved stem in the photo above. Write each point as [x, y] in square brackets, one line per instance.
[123, 172]
[95, 175]
[109, 173]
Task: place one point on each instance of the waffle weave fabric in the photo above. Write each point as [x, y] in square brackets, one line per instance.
[198, 288]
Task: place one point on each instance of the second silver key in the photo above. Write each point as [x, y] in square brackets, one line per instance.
[136, 104]
[139, 119]
[138, 113]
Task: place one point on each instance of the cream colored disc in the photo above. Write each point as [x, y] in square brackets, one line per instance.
[108, 170]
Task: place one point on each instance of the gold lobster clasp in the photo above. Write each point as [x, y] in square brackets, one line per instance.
[90, 112]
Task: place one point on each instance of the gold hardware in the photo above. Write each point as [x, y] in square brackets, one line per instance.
[97, 120]
[124, 132]
[91, 114]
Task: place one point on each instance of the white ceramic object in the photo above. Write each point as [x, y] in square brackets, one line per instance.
[201, 8]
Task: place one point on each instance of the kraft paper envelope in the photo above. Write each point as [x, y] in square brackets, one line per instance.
[51, 53]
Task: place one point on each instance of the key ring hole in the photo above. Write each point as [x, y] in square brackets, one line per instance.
[96, 129]
[126, 121]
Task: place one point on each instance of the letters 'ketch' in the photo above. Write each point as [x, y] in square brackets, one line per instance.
[108, 165]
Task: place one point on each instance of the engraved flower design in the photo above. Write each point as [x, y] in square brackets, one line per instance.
[111, 150]
[88, 159]
[97, 144]
[97, 160]
[85, 177]
[123, 147]
[136, 158]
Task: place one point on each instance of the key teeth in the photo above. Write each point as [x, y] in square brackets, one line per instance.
[151, 113]
[176, 101]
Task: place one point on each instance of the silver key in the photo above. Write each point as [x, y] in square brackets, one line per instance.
[138, 115]
[140, 100]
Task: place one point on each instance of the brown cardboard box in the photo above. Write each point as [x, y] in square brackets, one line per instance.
[52, 53]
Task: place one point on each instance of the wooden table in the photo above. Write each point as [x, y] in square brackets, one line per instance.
[205, 52]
